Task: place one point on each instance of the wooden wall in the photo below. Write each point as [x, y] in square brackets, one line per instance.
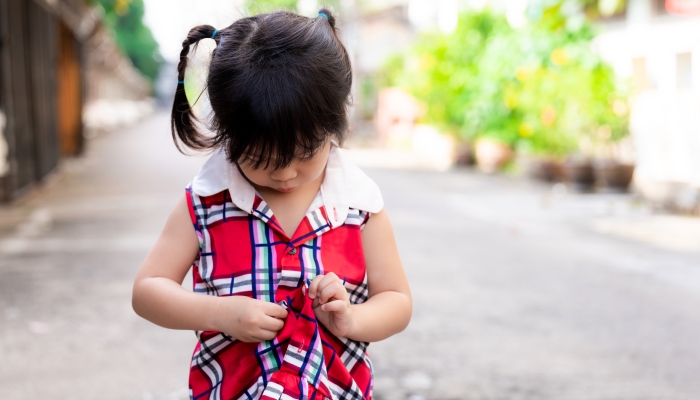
[32, 64]
[15, 100]
[43, 55]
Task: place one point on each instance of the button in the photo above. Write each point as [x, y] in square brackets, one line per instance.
[293, 251]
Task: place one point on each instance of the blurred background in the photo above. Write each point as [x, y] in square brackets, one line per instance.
[539, 160]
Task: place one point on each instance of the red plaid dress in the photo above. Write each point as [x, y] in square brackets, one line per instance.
[244, 252]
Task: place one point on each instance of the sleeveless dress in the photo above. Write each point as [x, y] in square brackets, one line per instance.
[245, 252]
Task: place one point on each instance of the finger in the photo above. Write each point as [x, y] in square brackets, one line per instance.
[272, 324]
[275, 310]
[335, 306]
[264, 334]
[327, 280]
[313, 287]
[335, 290]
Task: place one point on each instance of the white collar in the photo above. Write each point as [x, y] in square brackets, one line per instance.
[344, 186]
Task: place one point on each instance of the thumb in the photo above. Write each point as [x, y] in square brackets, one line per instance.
[275, 310]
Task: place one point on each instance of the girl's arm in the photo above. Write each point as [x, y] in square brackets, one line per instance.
[388, 309]
[159, 297]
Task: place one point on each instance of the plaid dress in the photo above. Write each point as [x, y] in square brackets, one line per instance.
[245, 252]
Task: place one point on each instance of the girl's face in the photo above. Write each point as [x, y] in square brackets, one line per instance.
[297, 174]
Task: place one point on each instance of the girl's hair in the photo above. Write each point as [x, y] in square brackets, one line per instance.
[278, 84]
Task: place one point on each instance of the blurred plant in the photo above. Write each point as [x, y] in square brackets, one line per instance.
[124, 18]
[305, 7]
[539, 88]
[604, 8]
[257, 7]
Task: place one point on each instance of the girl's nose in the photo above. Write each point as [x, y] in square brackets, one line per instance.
[283, 175]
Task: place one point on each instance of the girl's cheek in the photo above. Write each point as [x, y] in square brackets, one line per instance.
[258, 177]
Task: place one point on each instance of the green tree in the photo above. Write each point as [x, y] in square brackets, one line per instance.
[125, 19]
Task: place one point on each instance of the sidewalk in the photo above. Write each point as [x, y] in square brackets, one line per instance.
[68, 258]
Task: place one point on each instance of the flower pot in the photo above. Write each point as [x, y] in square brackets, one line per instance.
[614, 175]
[464, 153]
[579, 173]
[545, 169]
[491, 155]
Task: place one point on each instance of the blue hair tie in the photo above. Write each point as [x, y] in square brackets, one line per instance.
[323, 15]
[214, 34]
[181, 82]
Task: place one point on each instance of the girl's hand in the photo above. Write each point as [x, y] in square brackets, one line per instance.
[248, 320]
[332, 304]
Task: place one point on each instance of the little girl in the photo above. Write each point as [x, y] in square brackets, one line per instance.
[294, 262]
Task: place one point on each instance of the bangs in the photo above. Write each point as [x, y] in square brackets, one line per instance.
[275, 121]
[268, 154]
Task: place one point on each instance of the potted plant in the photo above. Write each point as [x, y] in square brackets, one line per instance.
[445, 73]
[537, 90]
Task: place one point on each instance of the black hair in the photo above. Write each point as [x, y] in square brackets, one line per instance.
[279, 86]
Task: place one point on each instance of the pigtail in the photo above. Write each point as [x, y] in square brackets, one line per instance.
[326, 14]
[182, 119]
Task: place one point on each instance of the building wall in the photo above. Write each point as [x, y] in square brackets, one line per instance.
[660, 55]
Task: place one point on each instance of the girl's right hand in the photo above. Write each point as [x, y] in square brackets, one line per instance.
[248, 320]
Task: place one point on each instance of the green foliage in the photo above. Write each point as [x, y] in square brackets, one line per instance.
[253, 7]
[265, 6]
[539, 88]
[595, 9]
[125, 19]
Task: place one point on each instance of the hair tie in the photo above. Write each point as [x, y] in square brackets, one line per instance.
[214, 34]
[181, 82]
[323, 15]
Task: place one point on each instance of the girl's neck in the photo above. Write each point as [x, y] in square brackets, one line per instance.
[290, 208]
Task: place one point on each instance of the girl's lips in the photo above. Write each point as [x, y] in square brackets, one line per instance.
[286, 190]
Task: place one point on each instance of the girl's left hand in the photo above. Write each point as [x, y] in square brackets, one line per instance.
[332, 304]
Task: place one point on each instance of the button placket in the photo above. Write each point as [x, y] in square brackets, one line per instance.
[291, 272]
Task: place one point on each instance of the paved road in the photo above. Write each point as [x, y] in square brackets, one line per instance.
[521, 291]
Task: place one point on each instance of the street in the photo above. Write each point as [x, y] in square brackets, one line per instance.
[521, 290]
